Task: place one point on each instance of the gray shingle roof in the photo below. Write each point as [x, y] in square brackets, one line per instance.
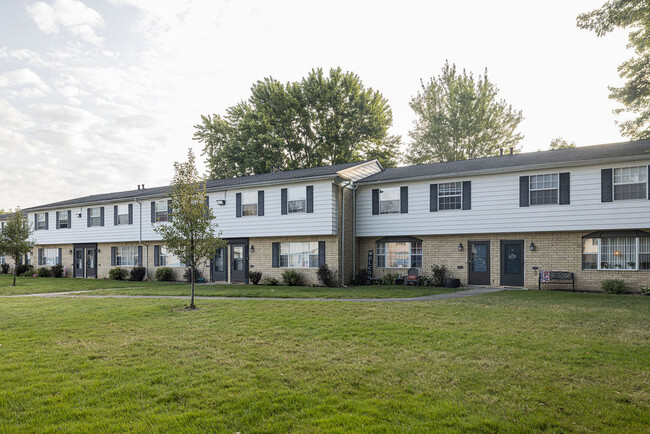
[263, 178]
[558, 158]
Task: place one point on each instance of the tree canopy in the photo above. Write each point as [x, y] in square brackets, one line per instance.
[560, 143]
[320, 120]
[459, 117]
[635, 93]
[14, 239]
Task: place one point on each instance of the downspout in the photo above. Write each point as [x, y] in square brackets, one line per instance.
[140, 237]
[343, 232]
[354, 231]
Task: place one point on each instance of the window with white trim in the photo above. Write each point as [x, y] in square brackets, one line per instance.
[401, 254]
[162, 210]
[123, 214]
[3, 259]
[249, 203]
[63, 220]
[50, 256]
[41, 224]
[296, 199]
[95, 216]
[631, 183]
[450, 195]
[389, 200]
[28, 258]
[616, 253]
[544, 189]
[126, 256]
[167, 259]
[299, 255]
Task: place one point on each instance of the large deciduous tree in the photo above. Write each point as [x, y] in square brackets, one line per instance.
[322, 119]
[14, 239]
[560, 143]
[191, 234]
[635, 93]
[459, 117]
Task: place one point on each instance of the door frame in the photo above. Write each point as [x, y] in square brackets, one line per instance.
[238, 242]
[226, 266]
[502, 261]
[84, 247]
[470, 243]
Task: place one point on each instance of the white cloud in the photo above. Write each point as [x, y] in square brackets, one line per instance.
[71, 15]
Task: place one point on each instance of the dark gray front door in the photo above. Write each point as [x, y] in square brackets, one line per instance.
[79, 263]
[478, 263]
[512, 263]
[239, 262]
[91, 262]
[220, 265]
[85, 260]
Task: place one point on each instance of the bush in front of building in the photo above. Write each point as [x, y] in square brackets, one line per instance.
[164, 274]
[389, 278]
[118, 273]
[57, 270]
[645, 289]
[613, 286]
[291, 277]
[43, 272]
[439, 274]
[426, 280]
[270, 281]
[326, 276]
[137, 274]
[22, 269]
[4, 268]
[254, 277]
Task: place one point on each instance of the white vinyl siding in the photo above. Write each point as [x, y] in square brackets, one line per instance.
[249, 203]
[296, 199]
[126, 256]
[403, 254]
[544, 189]
[299, 255]
[389, 200]
[631, 183]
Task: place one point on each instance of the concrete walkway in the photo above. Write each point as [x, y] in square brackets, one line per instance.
[446, 296]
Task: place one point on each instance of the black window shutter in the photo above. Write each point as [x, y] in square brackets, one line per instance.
[275, 252]
[40, 256]
[310, 198]
[36, 223]
[130, 213]
[115, 215]
[467, 194]
[47, 220]
[156, 256]
[169, 210]
[69, 219]
[207, 205]
[524, 191]
[58, 225]
[404, 200]
[606, 187]
[88, 215]
[101, 216]
[648, 183]
[375, 201]
[321, 253]
[565, 188]
[238, 205]
[139, 256]
[260, 202]
[283, 201]
[113, 254]
[60, 259]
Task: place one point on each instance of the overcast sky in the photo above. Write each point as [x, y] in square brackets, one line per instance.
[99, 96]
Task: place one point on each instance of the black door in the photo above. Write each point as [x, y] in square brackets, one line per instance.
[91, 262]
[79, 262]
[512, 263]
[239, 262]
[85, 260]
[478, 263]
[220, 265]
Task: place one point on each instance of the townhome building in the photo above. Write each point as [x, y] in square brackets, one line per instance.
[496, 221]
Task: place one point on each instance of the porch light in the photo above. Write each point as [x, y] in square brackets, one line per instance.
[70, 251]
[460, 247]
[617, 253]
[221, 202]
[252, 248]
[532, 247]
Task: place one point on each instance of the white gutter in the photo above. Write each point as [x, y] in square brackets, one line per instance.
[146, 246]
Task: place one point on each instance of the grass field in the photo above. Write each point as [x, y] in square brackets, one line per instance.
[515, 361]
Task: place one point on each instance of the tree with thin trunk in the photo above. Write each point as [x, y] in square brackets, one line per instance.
[14, 239]
[191, 234]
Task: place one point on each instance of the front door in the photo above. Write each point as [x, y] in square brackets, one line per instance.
[85, 260]
[219, 265]
[512, 263]
[79, 262]
[478, 262]
[239, 263]
[91, 262]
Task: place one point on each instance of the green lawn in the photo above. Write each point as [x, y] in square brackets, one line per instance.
[511, 361]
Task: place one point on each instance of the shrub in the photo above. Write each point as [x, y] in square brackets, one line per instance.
[57, 270]
[326, 276]
[255, 277]
[29, 273]
[291, 277]
[426, 280]
[188, 275]
[137, 274]
[23, 269]
[361, 278]
[645, 289]
[43, 272]
[270, 281]
[164, 274]
[4, 268]
[613, 286]
[439, 274]
[389, 278]
[118, 273]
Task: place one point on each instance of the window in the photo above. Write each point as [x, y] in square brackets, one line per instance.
[167, 259]
[631, 183]
[450, 195]
[123, 214]
[389, 200]
[402, 254]
[3, 259]
[544, 189]
[299, 255]
[126, 256]
[41, 222]
[50, 256]
[28, 258]
[95, 216]
[63, 220]
[162, 210]
[616, 253]
[249, 203]
[296, 199]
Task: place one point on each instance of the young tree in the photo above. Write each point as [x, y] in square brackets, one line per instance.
[459, 117]
[322, 119]
[191, 234]
[560, 143]
[635, 93]
[14, 239]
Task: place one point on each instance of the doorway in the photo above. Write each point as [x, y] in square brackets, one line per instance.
[512, 262]
[220, 265]
[85, 261]
[478, 272]
[239, 261]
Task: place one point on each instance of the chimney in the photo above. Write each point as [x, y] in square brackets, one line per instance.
[138, 186]
[511, 150]
[502, 152]
[143, 186]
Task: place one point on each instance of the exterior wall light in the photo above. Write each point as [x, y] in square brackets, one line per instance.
[460, 247]
[252, 248]
[532, 247]
[221, 202]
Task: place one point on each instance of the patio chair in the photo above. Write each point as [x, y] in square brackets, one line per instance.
[412, 277]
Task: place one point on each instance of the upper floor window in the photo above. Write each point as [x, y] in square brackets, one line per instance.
[126, 256]
[450, 195]
[631, 183]
[400, 254]
[389, 200]
[122, 214]
[64, 223]
[96, 216]
[41, 221]
[544, 189]
[299, 255]
[296, 199]
[616, 253]
[161, 211]
[249, 203]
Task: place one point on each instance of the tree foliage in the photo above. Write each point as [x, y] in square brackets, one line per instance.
[14, 239]
[459, 117]
[320, 120]
[191, 235]
[560, 143]
[635, 93]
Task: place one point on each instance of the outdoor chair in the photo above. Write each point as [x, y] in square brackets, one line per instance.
[412, 277]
